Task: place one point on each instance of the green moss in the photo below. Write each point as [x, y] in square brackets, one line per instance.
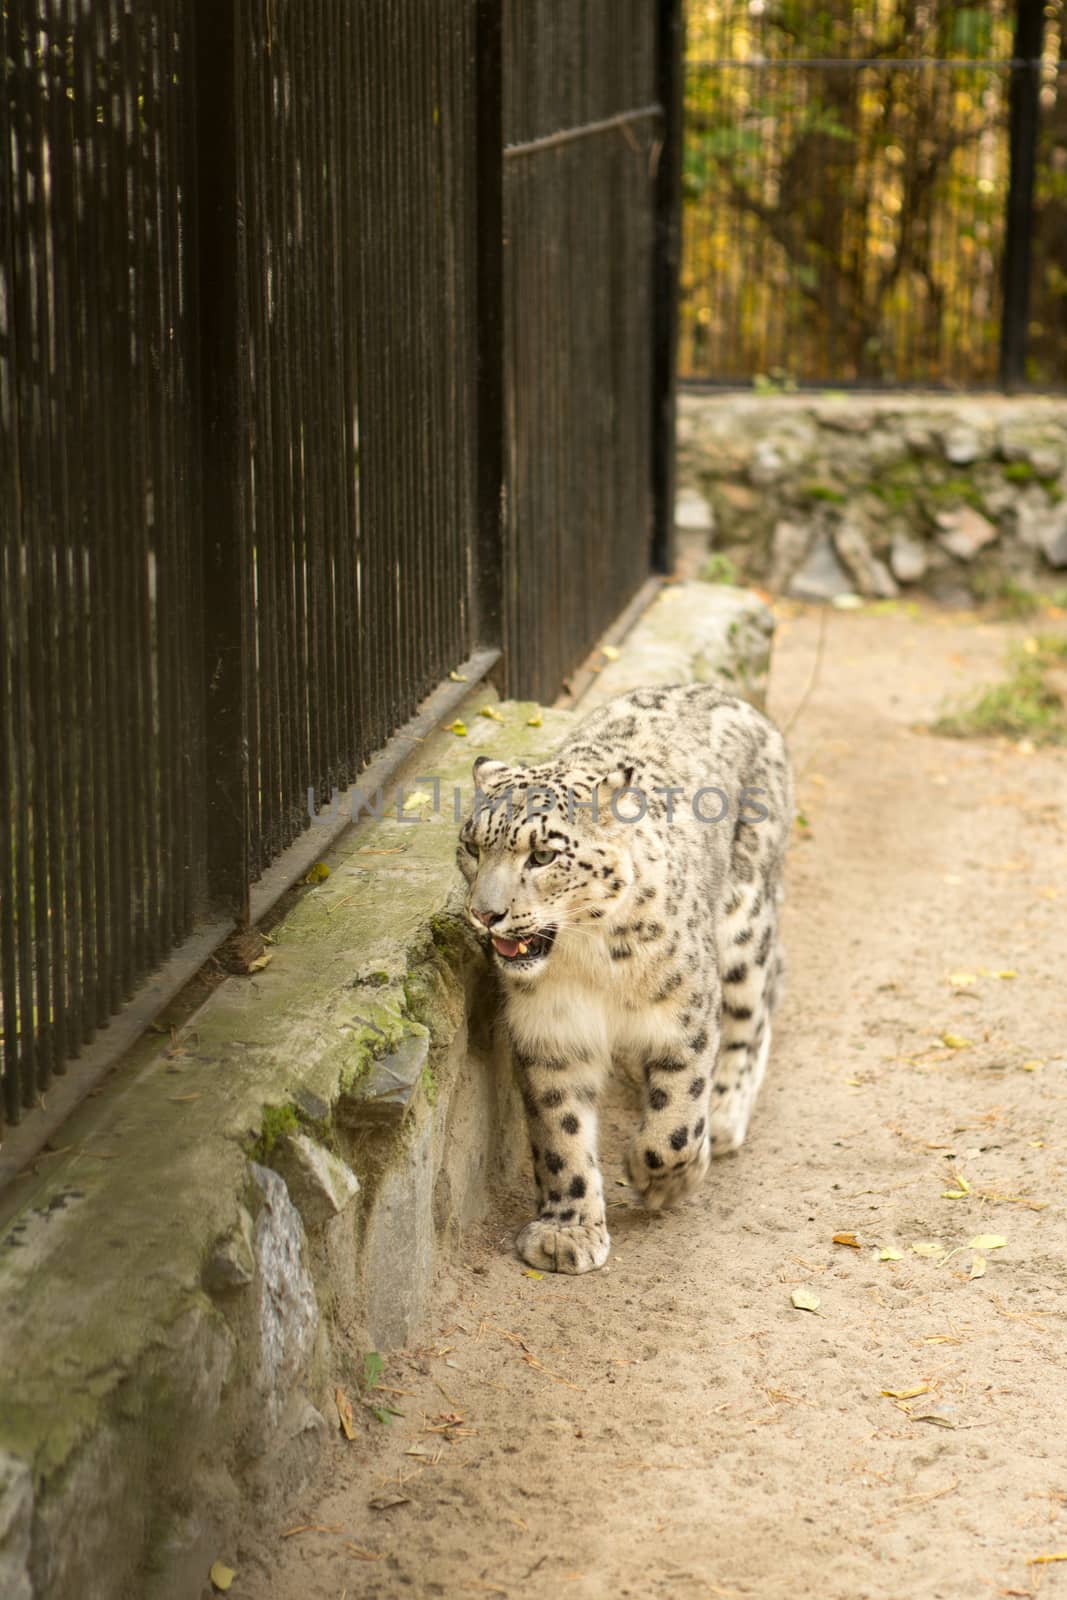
[430, 1086]
[1027, 705]
[897, 485]
[1019, 472]
[448, 935]
[719, 569]
[894, 495]
[276, 1122]
[953, 492]
[827, 493]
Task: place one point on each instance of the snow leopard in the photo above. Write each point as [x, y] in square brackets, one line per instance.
[628, 892]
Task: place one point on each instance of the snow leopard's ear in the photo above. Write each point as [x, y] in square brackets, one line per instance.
[486, 770]
[622, 778]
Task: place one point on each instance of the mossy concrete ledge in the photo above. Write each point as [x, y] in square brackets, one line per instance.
[261, 1194]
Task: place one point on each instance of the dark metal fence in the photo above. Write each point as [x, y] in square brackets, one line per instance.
[875, 193]
[583, 127]
[309, 389]
[102, 771]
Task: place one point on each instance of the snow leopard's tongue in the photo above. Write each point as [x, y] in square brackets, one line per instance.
[506, 947]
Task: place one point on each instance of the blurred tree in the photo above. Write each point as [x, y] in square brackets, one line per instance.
[845, 184]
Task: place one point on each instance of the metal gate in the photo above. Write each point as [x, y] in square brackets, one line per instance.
[334, 349]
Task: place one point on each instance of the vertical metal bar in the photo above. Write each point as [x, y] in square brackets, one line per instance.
[40, 532]
[25, 379]
[489, 323]
[10, 538]
[1025, 111]
[670, 54]
[225, 538]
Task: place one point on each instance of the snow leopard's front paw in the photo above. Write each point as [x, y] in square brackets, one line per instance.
[664, 1177]
[553, 1248]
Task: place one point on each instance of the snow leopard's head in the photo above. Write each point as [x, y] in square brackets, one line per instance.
[536, 859]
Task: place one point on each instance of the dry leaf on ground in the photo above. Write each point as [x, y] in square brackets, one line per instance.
[805, 1300]
[344, 1411]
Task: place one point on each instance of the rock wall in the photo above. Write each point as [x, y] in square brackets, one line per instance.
[821, 494]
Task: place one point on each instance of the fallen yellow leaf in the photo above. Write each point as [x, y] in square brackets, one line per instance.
[987, 1241]
[962, 980]
[261, 961]
[318, 873]
[1041, 1561]
[805, 1300]
[420, 798]
[458, 677]
[907, 1394]
[847, 1238]
[977, 1268]
[458, 728]
[222, 1577]
[927, 1247]
[344, 1412]
[955, 1041]
[889, 1254]
[491, 712]
[610, 651]
[1032, 1066]
[536, 721]
[537, 1276]
[1008, 972]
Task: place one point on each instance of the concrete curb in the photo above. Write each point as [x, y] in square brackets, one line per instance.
[293, 1161]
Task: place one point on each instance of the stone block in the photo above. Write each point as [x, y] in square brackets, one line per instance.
[908, 559]
[870, 575]
[320, 1184]
[287, 1310]
[16, 1526]
[822, 576]
[964, 532]
[387, 1091]
[692, 512]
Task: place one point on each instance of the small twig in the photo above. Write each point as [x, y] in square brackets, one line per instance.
[364, 1555]
[816, 669]
[915, 1500]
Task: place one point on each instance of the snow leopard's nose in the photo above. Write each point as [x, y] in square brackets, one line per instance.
[489, 918]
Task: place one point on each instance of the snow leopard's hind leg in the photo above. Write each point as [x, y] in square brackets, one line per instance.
[752, 969]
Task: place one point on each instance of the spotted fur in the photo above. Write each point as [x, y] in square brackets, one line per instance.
[652, 941]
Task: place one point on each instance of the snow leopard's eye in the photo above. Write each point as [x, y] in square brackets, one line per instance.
[543, 858]
[471, 848]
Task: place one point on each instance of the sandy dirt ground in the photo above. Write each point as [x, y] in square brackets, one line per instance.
[674, 1424]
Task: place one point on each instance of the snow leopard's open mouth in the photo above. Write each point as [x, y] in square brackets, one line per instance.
[534, 947]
